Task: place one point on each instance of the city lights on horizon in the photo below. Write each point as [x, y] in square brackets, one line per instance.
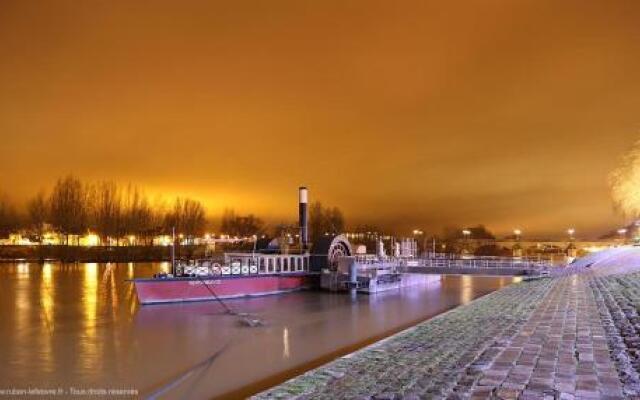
[91, 239]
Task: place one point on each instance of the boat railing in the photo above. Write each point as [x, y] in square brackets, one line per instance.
[247, 264]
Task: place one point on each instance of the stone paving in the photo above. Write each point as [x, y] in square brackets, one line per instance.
[561, 351]
[619, 300]
[573, 336]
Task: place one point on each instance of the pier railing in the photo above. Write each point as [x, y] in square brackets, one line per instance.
[482, 262]
[365, 261]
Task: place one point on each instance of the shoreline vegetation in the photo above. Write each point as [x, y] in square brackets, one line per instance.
[112, 213]
[105, 213]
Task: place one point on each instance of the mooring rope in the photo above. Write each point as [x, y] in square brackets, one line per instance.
[224, 305]
[185, 375]
[245, 317]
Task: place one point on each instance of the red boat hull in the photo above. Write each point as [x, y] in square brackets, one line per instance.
[171, 290]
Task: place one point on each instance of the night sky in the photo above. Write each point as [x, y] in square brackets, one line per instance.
[404, 114]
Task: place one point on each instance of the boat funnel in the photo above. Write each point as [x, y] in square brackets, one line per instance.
[303, 197]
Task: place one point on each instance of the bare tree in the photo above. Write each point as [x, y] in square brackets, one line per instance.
[106, 210]
[324, 220]
[241, 226]
[624, 182]
[140, 217]
[284, 229]
[336, 220]
[68, 207]
[188, 216]
[228, 221]
[193, 218]
[173, 218]
[38, 213]
[9, 218]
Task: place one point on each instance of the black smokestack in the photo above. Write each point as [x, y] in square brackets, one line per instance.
[303, 217]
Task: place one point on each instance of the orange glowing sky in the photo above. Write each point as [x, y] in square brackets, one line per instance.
[403, 113]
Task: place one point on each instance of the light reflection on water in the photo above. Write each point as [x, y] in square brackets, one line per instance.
[285, 342]
[80, 325]
[22, 315]
[47, 318]
[23, 268]
[466, 292]
[46, 297]
[89, 304]
[130, 270]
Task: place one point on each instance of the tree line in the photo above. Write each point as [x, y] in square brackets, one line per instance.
[322, 220]
[73, 208]
[104, 208]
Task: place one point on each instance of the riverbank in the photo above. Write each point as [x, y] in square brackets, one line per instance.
[60, 317]
[574, 335]
[41, 253]
[429, 359]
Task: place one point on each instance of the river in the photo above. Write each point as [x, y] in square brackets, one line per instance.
[80, 326]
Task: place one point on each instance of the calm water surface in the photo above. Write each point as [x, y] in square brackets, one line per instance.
[79, 325]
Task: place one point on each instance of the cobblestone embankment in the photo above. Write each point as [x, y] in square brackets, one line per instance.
[619, 301]
[573, 336]
[432, 359]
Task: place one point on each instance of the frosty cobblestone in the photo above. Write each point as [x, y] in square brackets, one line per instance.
[573, 336]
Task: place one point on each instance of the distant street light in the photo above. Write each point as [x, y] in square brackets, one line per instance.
[467, 234]
[517, 248]
[571, 232]
[623, 234]
[255, 243]
[419, 232]
[517, 233]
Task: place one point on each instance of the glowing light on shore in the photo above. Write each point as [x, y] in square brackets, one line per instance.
[165, 267]
[90, 240]
[50, 238]
[163, 240]
[593, 249]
